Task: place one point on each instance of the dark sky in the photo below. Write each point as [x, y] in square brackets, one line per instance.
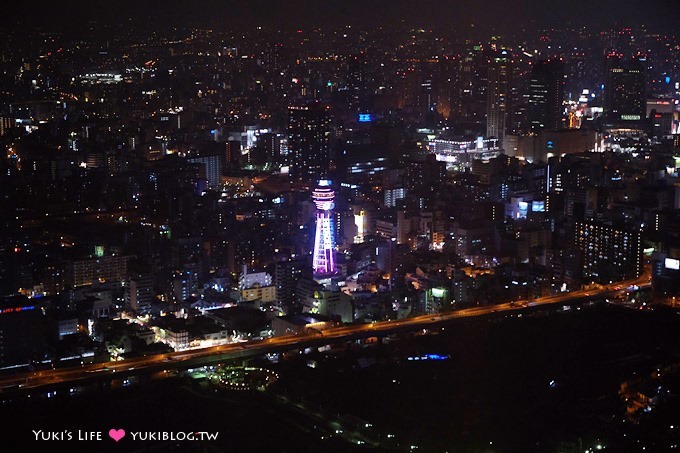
[502, 15]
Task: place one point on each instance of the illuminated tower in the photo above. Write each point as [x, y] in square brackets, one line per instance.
[324, 237]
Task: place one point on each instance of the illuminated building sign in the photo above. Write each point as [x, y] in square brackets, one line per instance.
[672, 264]
[429, 357]
[538, 206]
[523, 208]
[360, 222]
[438, 292]
[4, 311]
[365, 118]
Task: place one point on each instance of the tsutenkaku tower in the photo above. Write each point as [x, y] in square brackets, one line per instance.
[324, 236]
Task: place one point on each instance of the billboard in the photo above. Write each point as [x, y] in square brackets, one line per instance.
[672, 263]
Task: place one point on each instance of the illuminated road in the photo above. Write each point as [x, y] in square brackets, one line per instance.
[98, 372]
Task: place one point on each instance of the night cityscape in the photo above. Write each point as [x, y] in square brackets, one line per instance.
[231, 226]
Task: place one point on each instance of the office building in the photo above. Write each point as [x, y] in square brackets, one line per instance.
[497, 94]
[546, 95]
[625, 99]
[308, 141]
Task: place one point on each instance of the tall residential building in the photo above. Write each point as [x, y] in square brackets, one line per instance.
[624, 90]
[96, 269]
[424, 174]
[324, 237]
[23, 331]
[309, 141]
[497, 94]
[470, 98]
[139, 292]
[233, 153]
[286, 275]
[6, 124]
[210, 168]
[392, 195]
[546, 94]
[609, 253]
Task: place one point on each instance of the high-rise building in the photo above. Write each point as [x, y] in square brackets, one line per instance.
[609, 253]
[23, 335]
[308, 141]
[6, 124]
[392, 195]
[324, 236]
[233, 153]
[424, 174]
[497, 94]
[103, 269]
[286, 275]
[624, 90]
[210, 168]
[139, 292]
[471, 84]
[546, 94]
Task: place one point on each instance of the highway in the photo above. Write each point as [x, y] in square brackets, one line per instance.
[46, 380]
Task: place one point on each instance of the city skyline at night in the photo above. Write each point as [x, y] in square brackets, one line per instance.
[340, 226]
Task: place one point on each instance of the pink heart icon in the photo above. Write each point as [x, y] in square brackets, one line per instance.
[116, 434]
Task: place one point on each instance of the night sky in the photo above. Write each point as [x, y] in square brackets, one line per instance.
[488, 15]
